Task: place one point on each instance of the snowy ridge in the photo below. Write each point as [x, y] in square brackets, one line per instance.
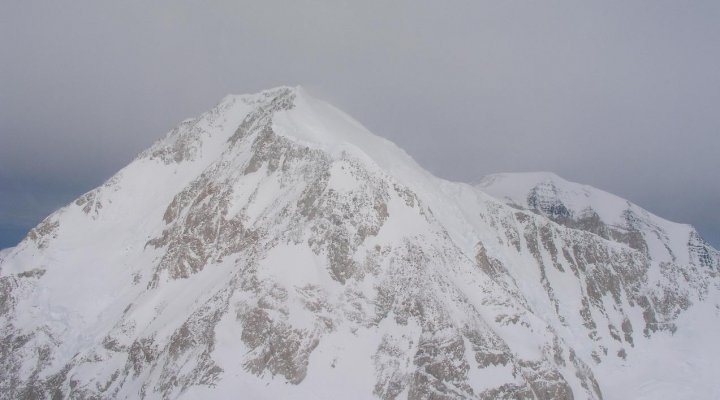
[586, 207]
[516, 188]
[276, 248]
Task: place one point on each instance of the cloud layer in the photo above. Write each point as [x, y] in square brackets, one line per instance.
[619, 95]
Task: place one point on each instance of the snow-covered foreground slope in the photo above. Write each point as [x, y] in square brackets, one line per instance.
[274, 248]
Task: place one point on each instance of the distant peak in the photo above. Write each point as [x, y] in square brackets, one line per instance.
[523, 188]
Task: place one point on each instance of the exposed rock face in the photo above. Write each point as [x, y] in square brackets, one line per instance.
[273, 248]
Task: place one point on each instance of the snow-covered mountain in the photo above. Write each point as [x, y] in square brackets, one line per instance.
[274, 248]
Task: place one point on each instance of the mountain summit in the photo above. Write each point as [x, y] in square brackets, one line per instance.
[274, 248]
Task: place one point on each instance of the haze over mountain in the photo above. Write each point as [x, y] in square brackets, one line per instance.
[275, 248]
[619, 95]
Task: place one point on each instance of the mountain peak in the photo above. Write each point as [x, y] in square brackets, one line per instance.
[591, 209]
[275, 247]
[317, 124]
[522, 188]
[310, 119]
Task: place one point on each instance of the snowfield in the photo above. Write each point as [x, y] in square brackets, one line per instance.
[274, 248]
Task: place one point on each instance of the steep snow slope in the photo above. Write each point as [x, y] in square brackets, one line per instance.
[274, 248]
[672, 365]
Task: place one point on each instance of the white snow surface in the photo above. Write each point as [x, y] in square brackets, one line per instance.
[92, 285]
[515, 188]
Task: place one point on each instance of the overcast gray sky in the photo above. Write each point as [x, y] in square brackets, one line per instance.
[622, 95]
